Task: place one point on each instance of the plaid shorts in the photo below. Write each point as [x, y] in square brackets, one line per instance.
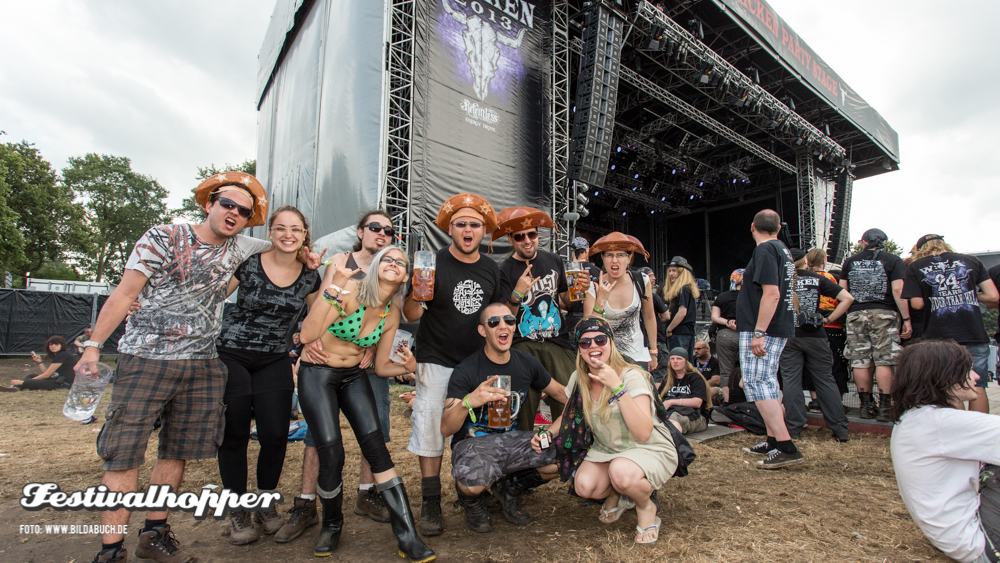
[760, 375]
[185, 394]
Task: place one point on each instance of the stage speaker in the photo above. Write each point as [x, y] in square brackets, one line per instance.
[596, 96]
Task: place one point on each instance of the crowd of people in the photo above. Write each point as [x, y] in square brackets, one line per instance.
[617, 359]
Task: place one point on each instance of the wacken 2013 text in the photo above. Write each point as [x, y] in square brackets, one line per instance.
[494, 11]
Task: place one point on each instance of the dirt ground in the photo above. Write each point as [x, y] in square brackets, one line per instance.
[842, 505]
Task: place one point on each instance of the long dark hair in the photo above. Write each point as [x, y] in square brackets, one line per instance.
[926, 373]
[364, 221]
[54, 340]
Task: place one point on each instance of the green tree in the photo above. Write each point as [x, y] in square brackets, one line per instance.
[12, 248]
[990, 321]
[890, 247]
[50, 222]
[57, 271]
[189, 209]
[121, 205]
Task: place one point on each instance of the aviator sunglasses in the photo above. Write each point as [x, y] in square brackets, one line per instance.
[494, 322]
[599, 340]
[229, 205]
[519, 237]
[464, 224]
[376, 228]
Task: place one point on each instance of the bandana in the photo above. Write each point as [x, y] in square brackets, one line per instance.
[593, 324]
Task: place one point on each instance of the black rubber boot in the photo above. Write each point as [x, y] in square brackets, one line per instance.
[867, 404]
[403, 525]
[476, 514]
[333, 523]
[884, 408]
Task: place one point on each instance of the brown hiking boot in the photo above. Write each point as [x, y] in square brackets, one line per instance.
[160, 546]
[241, 528]
[119, 555]
[301, 515]
[269, 520]
[431, 522]
[370, 504]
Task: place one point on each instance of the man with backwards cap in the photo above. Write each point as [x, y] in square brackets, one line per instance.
[540, 290]
[875, 278]
[465, 282]
[167, 363]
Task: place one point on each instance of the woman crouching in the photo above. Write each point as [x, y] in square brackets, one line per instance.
[632, 454]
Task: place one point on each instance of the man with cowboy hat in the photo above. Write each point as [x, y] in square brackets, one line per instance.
[167, 363]
[540, 291]
[465, 282]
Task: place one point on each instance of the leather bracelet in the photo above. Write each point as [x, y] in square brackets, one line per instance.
[906, 319]
[472, 414]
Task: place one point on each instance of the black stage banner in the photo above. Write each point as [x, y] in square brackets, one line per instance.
[793, 50]
[480, 82]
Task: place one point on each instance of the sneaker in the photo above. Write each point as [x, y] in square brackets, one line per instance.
[241, 528]
[431, 522]
[119, 555]
[301, 515]
[270, 521]
[160, 545]
[776, 459]
[762, 448]
[370, 504]
[814, 406]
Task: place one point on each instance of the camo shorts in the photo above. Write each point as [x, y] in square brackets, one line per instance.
[872, 336]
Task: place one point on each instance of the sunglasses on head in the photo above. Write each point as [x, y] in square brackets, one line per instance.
[494, 322]
[464, 224]
[599, 340]
[391, 260]
[229, 205]
[519, 237]
[376, 228]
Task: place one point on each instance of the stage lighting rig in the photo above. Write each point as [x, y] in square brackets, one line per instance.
[696, 29]
[787, 100]
[753, 75]
[584, 200]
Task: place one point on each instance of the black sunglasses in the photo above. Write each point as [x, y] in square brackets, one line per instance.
[229, 205]
[464, 224]
[599, 340]
[494, 322]
[519, 237]
[376, 228]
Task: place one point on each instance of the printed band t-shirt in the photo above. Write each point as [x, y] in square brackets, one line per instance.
[771, 264]
[684, 299]
[869, 279]
[180, 312]
[949, 285]
[538, 318]
[525, 372]
[810, 288]
[448, 331]
[726, 302]
[710, 369]
[691, 387]
[264, 312]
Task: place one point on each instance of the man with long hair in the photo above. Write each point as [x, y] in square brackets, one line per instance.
[950, 286]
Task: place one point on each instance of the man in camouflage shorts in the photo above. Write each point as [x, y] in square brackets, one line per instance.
[875, 278]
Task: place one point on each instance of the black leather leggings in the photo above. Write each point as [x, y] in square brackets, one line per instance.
[325, 391]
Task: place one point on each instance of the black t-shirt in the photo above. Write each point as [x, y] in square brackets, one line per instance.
[771, 264]
[538, 317]
[684, 299]
[264, 312]
[809, 289]
[995, 276]
[691, 387]
[726, 302]
[948, 285]
[710, 370]
[525, 372]
[65, 373]
[660, 307]
[448, 331]
[869, 279]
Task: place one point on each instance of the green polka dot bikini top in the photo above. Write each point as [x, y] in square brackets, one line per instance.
[347, 329]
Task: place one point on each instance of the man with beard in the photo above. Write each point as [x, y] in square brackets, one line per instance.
[540, 290]
[465, 282]
[484, 456]
[375, 231]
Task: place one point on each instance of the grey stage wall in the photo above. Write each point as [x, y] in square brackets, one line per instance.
[29, 318]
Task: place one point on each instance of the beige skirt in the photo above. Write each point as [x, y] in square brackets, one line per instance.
[657, 456]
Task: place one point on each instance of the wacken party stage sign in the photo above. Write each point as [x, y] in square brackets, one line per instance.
[479, 105]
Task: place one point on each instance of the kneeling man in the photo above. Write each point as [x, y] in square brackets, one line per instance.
[483, 454]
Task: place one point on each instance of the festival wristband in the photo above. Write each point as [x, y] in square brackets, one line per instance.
[472, 415]
[619, 389]
[339, 289]
[331, 299]
[598, 310]
[616, 396]
[339, 310]
[520, 297]
[654, 352]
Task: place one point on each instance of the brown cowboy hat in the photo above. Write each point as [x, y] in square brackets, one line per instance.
[618, 241]
[515, 219]
[204, 191]
[482, 209]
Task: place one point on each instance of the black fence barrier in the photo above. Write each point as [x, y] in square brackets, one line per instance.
[29, 318]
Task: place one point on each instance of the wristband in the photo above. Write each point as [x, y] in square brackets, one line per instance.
[337, 307]
[906, 319]
[619, 389]
[339, 289]
[519, 296]
[472, 414]
[598, 310]
[654, 352]
[616, 396]
[331, 299]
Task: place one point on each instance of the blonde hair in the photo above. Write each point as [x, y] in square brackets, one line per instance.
[802, 264]
[934, 247]
[615, 362]
[671, 289]
[671, 379]
[369, 294]
[816, 258]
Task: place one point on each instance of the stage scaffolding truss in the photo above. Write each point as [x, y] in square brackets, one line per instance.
[395, 194]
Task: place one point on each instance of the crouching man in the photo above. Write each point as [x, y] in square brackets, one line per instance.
[491, 453]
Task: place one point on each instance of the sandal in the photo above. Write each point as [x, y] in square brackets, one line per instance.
[612, 516]
[656, 532]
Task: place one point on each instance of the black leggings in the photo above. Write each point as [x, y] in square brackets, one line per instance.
[325, 391]
[272, 411]
[47, 384]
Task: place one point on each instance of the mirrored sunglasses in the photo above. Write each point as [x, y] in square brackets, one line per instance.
[519, 237]
[494, 322]
[229, 205]
[464, 224]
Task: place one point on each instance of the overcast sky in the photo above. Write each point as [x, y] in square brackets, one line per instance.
[171, 86]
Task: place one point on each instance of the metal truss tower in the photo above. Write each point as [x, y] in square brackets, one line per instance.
[395, 194]
[563, 194]
[806, 189]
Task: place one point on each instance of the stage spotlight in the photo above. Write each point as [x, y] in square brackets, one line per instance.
[612, 166]
[583, 211]
[584, 200]
[636, 176]
[753, 75]
[582, 188]
[700, 184]
[619, 148]
[696, 29]
[787, 100]
[826, 129]
[886, 163]
[623, 213]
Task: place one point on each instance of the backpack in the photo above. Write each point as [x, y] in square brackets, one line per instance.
[636, 277]
[745, 415]
[685, 453]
